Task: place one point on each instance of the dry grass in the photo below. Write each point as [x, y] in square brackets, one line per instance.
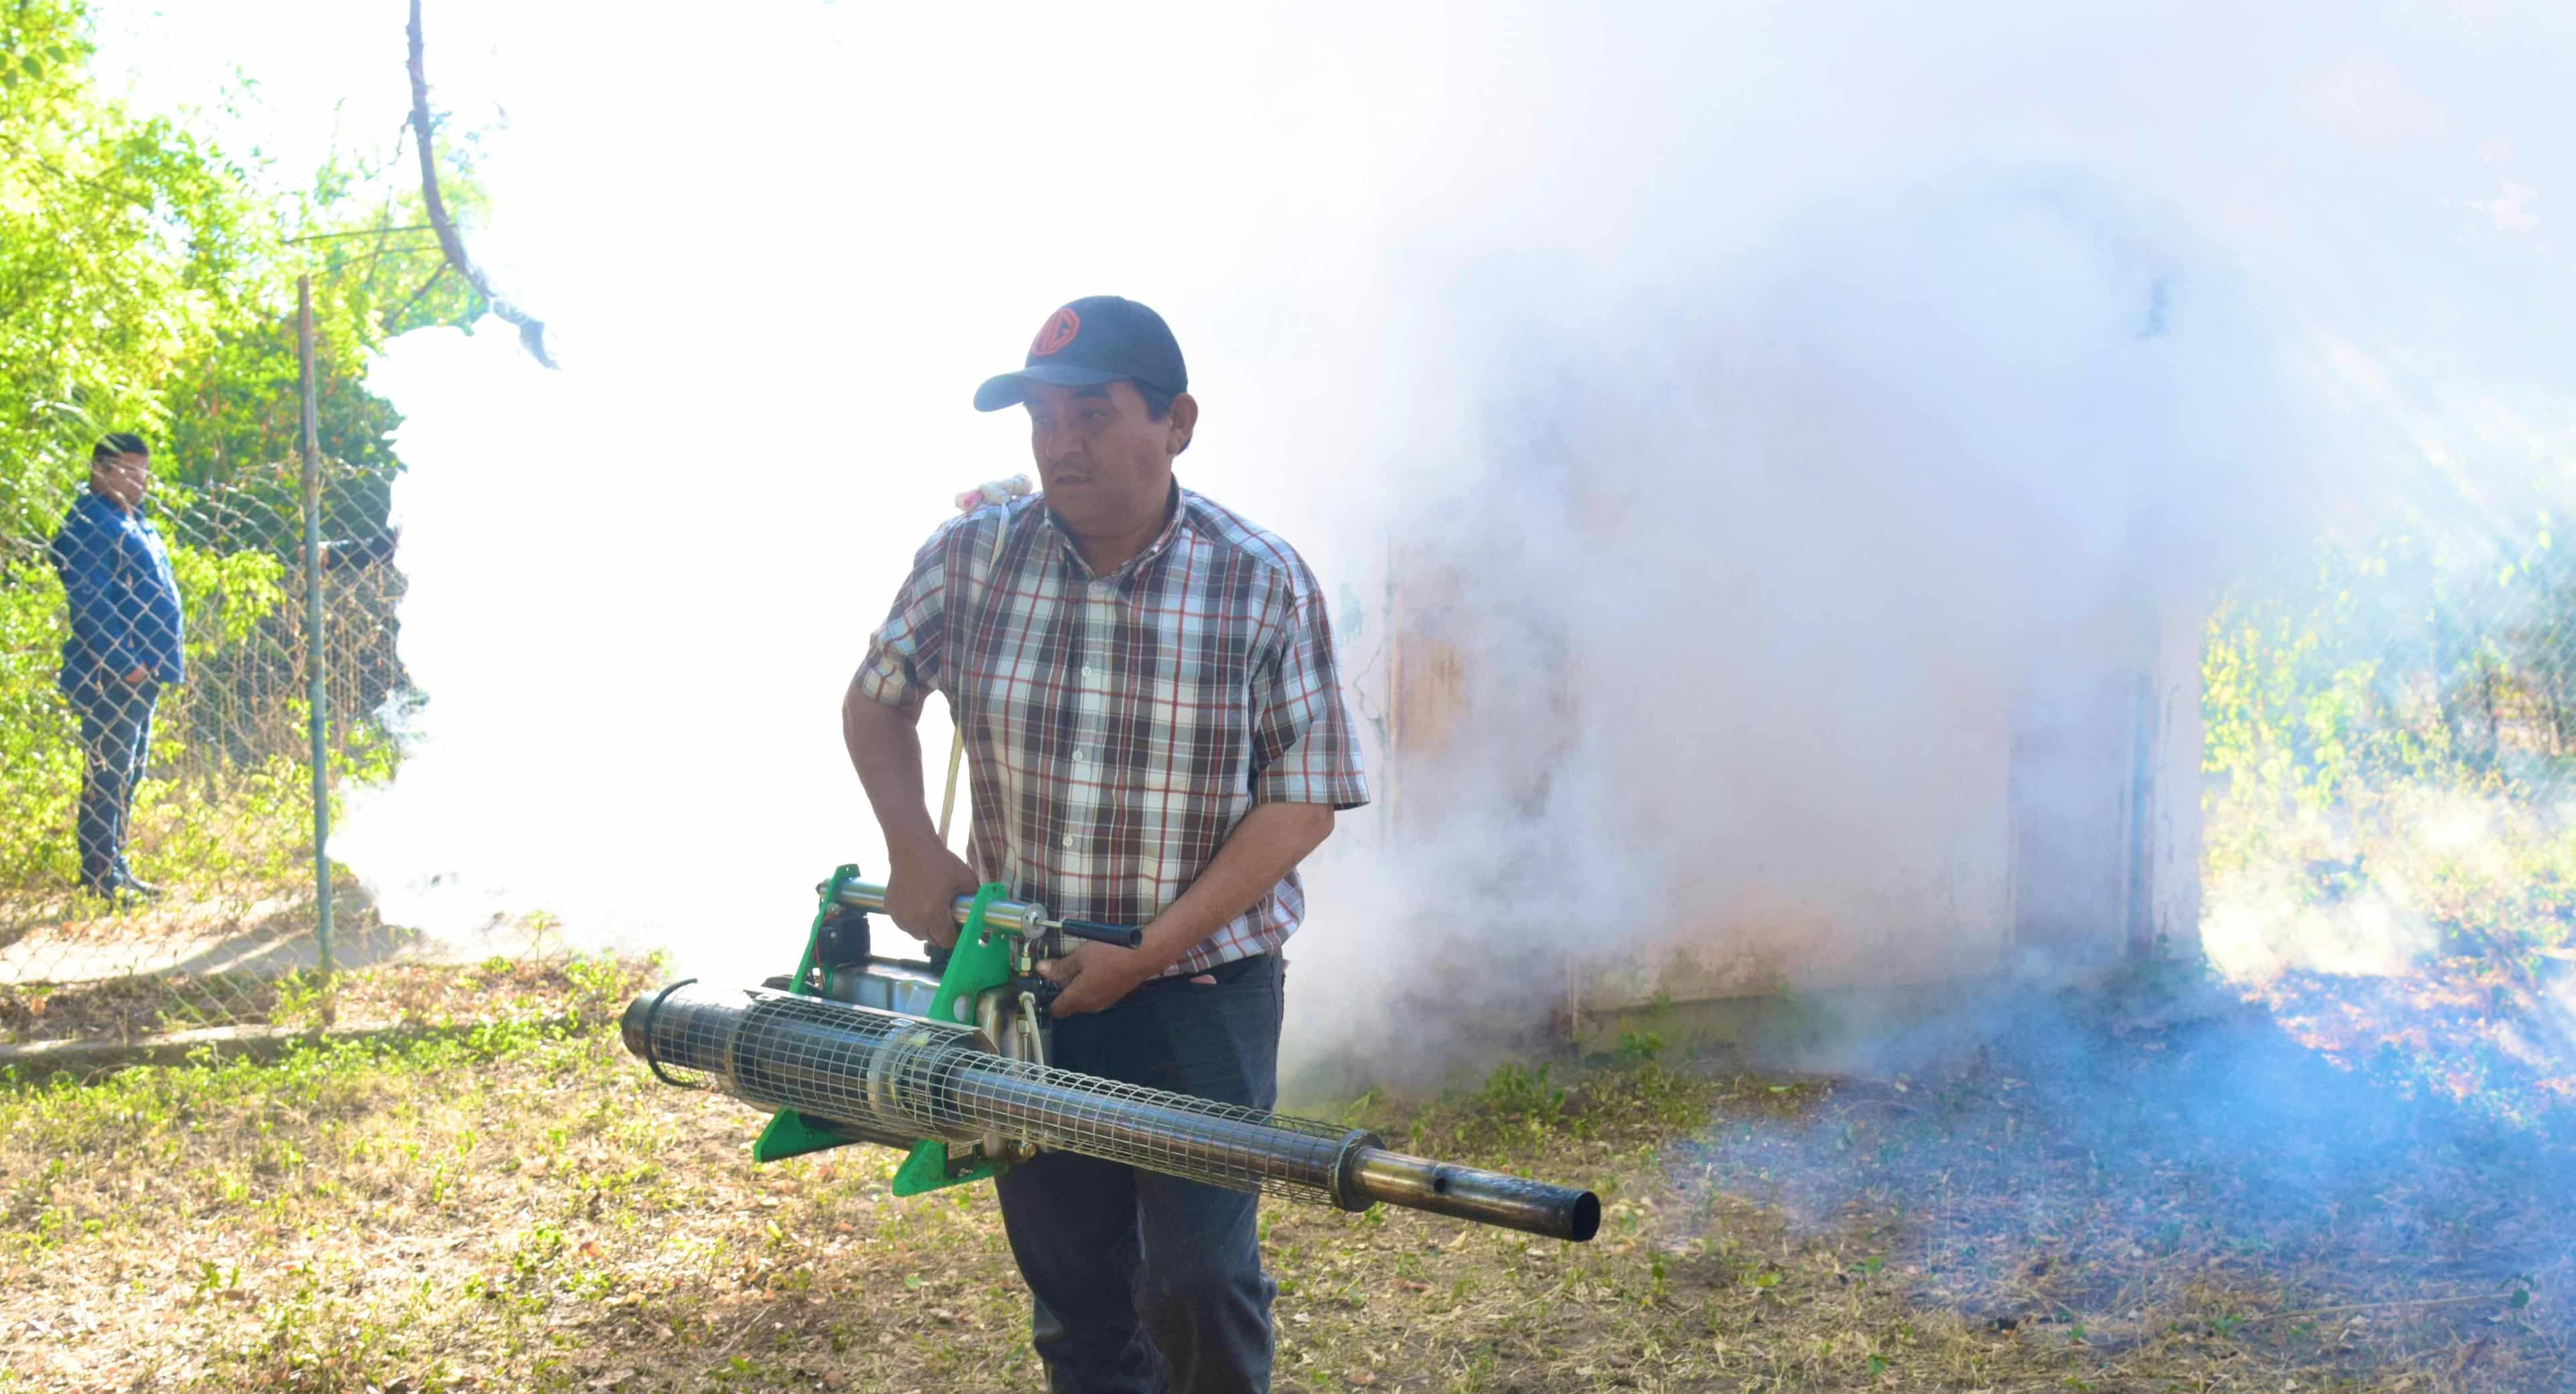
[2199, 1201]
[392, 997]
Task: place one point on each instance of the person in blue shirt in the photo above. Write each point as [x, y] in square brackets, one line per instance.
[124, 647]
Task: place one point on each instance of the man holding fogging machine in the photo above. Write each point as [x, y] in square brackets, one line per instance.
[1147, 685]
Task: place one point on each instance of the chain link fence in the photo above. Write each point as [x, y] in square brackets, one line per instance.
[157, 869]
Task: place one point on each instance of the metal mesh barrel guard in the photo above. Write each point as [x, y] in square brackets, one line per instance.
[886, 1075]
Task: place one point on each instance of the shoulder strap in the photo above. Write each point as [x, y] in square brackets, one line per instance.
[958, 662]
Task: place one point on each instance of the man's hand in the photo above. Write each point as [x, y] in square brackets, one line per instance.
[921, 893]
[138, 676]
[1095, 977]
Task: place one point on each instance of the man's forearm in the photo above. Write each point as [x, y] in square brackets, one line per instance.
[885, 748]
[1262, 849]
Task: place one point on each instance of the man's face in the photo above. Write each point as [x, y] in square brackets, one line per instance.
[1105, 463]
[123, 478]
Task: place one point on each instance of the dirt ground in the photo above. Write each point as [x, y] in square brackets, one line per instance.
[2315, 1190]
[75, 968]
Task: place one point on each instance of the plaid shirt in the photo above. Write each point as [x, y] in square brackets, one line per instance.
[1121, 725]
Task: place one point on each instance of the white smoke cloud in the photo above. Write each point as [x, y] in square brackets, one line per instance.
[1921, 363]
[1786, 386]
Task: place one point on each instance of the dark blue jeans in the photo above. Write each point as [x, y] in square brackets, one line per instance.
[116, 732]
[1141, 1283]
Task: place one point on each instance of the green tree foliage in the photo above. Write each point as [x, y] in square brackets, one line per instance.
[2435, 656]
[234, 408]
[124, 244]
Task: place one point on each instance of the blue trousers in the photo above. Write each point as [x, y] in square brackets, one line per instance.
[116, 732]
[1142, 1284]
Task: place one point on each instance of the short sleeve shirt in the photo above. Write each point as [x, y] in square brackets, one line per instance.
[1121, 725]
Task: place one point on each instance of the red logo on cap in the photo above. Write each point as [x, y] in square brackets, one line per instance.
[1057, 332]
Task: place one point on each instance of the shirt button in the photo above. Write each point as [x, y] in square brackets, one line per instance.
[1068, 843]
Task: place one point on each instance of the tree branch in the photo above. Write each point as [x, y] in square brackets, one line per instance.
[396, 317]
[532, 332]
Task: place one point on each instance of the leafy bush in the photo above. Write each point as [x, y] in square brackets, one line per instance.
[2392, 735]
[40, 761]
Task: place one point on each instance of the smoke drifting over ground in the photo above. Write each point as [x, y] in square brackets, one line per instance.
[1765, 401]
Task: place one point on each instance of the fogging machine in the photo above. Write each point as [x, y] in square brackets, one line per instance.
[947, 1061]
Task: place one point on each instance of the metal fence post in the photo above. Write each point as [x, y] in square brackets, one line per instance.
[315, 695]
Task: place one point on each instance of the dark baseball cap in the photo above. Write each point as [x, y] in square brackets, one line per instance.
[1097, 339]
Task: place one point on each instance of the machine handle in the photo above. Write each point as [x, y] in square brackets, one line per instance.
[1122, 935]
[1017, 917]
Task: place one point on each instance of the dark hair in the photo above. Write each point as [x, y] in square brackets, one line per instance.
[117, 443]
